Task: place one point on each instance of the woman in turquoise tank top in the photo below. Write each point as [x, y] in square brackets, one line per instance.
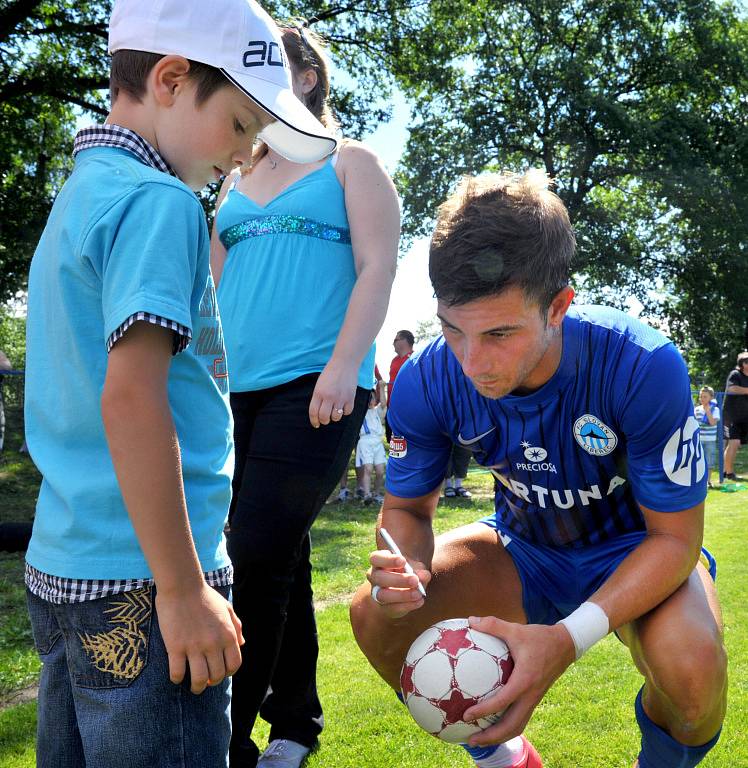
[303, 257]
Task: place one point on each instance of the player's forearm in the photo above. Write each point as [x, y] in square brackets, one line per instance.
[146, 457]
[651, 573]
[734, 389]
[412, 532]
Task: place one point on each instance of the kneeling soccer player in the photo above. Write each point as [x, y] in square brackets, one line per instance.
[584, 416]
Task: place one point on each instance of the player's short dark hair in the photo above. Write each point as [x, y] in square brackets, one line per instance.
[500, 230]
[130, 69]
[742, 357]
[408, 336]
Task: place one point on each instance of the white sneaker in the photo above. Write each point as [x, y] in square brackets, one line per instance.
[283, 753]
[344, 494]
[378, 498]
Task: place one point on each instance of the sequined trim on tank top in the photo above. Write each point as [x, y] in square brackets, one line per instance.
[256, 226]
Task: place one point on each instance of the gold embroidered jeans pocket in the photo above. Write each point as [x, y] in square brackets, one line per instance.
[112, 638]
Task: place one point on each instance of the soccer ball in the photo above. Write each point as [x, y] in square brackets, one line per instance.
[449, 668]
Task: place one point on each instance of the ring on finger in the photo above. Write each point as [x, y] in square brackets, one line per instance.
[375, 594]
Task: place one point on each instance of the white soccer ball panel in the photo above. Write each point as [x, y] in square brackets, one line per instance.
[476, 673]
[432, 676]
[458, 733]
[493, 645]
[421, 644]
[452, 624]
[429, 717]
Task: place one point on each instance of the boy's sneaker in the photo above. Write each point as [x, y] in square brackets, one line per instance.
[283, 753]
[463, 493]
[368, 498]
[449, 492]
[344, 494]
[378, 498]
[730, 476]
[360, 495]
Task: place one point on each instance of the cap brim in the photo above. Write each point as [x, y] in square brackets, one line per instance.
[295, 133]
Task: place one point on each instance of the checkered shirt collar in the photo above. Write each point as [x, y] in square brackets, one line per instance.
[108, 135]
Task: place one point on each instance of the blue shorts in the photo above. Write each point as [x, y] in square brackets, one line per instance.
[557, 580]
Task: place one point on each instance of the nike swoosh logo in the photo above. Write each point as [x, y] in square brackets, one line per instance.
[462, 441]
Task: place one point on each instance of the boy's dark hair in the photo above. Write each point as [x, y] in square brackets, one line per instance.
[130, 70]
[408, 336]
[500, 230]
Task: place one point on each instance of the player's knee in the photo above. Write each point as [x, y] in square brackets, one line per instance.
[377, 643]
[694, 679]
[363, 620]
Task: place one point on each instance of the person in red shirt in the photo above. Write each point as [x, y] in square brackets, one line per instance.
[403, 343]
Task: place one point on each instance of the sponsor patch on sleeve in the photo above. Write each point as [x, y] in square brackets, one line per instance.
[398, 447]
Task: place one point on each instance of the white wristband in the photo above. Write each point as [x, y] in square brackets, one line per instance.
[586, 625]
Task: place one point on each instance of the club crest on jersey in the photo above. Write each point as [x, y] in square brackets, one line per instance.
[683, 458]
[596, 438]
[398, 447]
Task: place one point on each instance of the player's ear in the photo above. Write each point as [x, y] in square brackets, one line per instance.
[559, 306]
[167, 78]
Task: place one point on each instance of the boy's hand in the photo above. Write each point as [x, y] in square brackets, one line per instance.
[200, 629]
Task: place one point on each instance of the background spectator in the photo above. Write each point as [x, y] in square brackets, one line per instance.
[344, 494]
[457, 472]
[370, 456]
[708, 415]
[736, 412]
[4, 366]
[403, 343]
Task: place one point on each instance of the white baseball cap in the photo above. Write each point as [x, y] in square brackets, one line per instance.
[239, 38]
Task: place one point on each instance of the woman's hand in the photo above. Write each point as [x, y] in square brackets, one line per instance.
[334, 394]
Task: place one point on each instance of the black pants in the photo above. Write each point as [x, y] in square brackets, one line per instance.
[459, 460]
[285, 470]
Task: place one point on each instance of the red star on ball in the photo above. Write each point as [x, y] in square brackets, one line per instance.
[452, 641]
[406, 680]
[454, 707]
[506, 666]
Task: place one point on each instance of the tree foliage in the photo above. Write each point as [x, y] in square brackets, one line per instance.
[636, 107]
[50, 61]
[54, 70]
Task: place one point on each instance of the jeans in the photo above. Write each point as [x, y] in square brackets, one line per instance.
[105, 698]
[285, 470]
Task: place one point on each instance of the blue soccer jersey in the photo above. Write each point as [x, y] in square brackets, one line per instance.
[612, 429]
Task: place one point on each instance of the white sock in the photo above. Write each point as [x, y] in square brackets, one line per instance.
[505, 755]
[458, 482]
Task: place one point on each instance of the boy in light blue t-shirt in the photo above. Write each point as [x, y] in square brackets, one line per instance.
[127, 394]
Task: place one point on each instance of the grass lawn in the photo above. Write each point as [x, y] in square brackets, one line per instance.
[585, 720]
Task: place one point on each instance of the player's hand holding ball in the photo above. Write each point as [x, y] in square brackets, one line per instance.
[541, 654]
[449, 668]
